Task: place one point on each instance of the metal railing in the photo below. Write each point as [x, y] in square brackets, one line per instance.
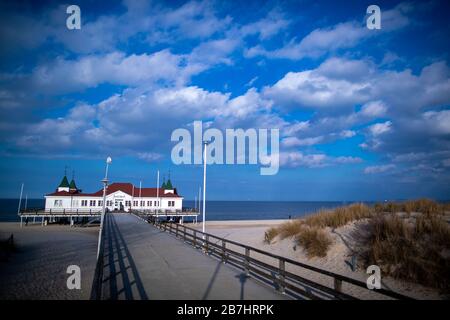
[72, 212]
[97, 282]
[167, 212]
[284, 280]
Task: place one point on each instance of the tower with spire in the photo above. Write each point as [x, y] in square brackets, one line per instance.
[65, 185]
[163, 186]
[72, 185]
[169, 183]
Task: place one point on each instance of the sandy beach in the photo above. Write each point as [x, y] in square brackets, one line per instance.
[251, 232]
[37, 268]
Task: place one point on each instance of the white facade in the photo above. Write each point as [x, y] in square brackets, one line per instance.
[118, 200]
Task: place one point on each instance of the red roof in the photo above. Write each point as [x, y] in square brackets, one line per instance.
[120, 186]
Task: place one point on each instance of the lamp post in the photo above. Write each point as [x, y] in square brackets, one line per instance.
[205, 143]
[20, 203]
[157, 195]
[105, 184]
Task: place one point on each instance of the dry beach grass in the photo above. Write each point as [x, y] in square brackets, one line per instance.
[410, 240]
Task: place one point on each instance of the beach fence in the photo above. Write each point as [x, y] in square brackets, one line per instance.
[278, 273]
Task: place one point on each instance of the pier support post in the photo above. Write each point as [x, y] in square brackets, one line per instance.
[21, 222]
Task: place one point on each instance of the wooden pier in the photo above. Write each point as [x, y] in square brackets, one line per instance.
[51, 215]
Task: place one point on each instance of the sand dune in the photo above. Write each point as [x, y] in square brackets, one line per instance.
[251, 232]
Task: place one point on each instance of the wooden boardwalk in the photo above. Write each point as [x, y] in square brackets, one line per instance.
[143, 262]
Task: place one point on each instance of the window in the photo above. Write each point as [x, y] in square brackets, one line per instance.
[57, 203]
[100, 203]
[127, 203]
[149, 203]
[135, 203]
[142, 203]
[92, 203]
[171, 203]
[156, 203]
[84, 203]
[109, 203]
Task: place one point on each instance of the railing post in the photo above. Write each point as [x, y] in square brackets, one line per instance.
[224, 258]
[195, 238]
[281, 280]
[247, 261]
[176, 231]
[184, 233]
[206, 244]
[337, 285]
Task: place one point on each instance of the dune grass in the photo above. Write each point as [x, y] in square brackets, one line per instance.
[333, 218]
[315, 241]
[424, 206]
[340, 216]
[416, 251]
[270, 235]
[410, 247]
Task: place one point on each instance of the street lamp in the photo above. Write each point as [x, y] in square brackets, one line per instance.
[205, 143]
[105, 184]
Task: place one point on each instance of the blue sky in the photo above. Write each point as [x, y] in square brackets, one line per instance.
[363, 114]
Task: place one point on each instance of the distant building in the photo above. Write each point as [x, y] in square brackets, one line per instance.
[119, 196]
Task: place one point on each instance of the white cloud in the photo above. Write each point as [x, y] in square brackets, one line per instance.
[295, 159]
[340, 36]
[380, 128]
[438, 121]
[347, 133]
[298, 159]
[374, 109]
[379, 169]
[310, 89]
[116, 68]
[267, 27]
[296, 142]
[149, 156]
[348, 160]
[251, 82]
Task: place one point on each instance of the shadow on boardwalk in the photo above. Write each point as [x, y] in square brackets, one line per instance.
[142, 262]
[121, 277]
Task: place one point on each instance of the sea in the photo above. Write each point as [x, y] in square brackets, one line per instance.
[215, 210]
